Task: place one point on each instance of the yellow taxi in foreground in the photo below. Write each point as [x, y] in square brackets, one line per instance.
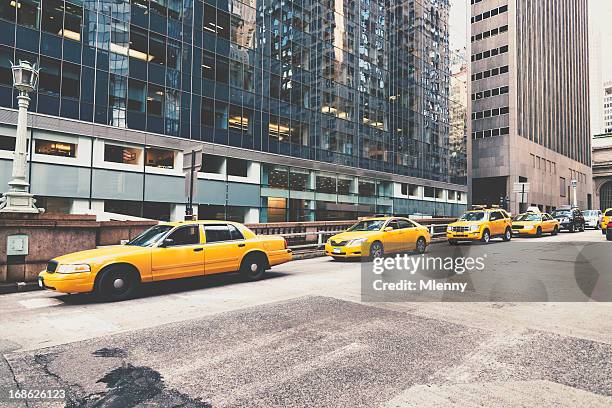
[480, 224]
[607, 217]
[375, 237]
[166, 251]
[535, 224]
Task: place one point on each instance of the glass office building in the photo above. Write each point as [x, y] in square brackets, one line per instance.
[325, 109]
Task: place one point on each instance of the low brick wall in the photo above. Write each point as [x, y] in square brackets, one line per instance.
[52, 235]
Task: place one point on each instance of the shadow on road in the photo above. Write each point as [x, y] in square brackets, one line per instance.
[154, 289]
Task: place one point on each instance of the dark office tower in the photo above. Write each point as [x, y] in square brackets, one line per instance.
[306, 110]
[530, 102]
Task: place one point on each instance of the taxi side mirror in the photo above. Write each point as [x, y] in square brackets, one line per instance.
[167, 242]
[388, 229]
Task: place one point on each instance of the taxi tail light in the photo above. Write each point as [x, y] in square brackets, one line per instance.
[285, 243]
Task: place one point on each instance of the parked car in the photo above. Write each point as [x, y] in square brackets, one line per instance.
[607, 217]
[166, 251]
[480, 224]
[609, 231]
[570, 218]
[592, 218]
[374, 237]
[535, 224]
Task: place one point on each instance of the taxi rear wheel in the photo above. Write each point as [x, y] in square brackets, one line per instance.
[539, 232]
[117, 283]
[555, 231]
[253, 267]
[507, 234]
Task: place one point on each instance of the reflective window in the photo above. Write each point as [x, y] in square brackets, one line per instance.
[121, 154]
[161, 158]
[185, 235]
[53, 16]
[28, 13]
[53, 148]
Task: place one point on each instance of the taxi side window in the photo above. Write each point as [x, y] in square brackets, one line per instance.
[185, 235]
[217, 233]
[405, 224]
[394, 225]
[235, 234]
[495, 216]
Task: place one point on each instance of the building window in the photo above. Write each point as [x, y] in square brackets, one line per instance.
[562, 186]
[212, 164]
[52, 148]
[429, 192]
[278, 177]
[237, 167]
[160, 158]
[7, 143]
[404, 189]
[121, 154]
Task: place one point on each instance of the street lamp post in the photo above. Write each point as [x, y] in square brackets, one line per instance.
[18, 199]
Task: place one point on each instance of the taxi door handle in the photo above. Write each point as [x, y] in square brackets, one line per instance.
[241, 245]
[198, 249]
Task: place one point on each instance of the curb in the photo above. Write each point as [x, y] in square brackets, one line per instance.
[15, 287]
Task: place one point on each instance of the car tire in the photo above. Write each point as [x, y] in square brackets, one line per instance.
[486, 237]
[555, 231]
[117, 283]
[603, 231]
[421, 245]
[583, 228]
[539, 232]
[571, 228]
[452, 242]
[376, 250]
[253, 267]
[507, 235]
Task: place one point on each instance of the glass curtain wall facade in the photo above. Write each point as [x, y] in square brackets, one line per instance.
[361, 83]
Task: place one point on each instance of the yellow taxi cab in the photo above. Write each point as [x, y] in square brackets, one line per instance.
[377, 236]
[166, 251]
[607, 217]
[535, 223]
[480, 224]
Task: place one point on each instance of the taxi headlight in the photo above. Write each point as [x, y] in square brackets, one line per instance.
[74, 268]
[356, 242]
[449, 229]
[474, 228]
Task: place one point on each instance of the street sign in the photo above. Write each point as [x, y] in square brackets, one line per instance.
[521, 187]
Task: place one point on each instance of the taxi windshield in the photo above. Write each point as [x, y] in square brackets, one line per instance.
[473, 216]
[528, 217]
[370, 225]
[590, 213]
[150, 236]
[558, 213]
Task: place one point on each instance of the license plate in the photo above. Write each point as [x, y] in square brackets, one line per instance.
[337, 250]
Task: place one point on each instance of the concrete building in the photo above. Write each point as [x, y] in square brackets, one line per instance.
[530, 102]
[607, 107]
[602, 170]
[305, 110]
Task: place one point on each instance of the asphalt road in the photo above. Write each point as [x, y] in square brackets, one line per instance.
[304, 337]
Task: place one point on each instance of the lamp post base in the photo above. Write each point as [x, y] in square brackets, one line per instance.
[19, 202]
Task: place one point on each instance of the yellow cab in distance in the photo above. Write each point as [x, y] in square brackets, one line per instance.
[535, 224]
[480, 224]
[169, 250]
[374, 237]
[607, 217]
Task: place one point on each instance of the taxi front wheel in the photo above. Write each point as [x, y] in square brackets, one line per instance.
[117, 283]
[486, 237]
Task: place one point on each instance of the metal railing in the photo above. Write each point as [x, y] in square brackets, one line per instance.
[437, 231]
